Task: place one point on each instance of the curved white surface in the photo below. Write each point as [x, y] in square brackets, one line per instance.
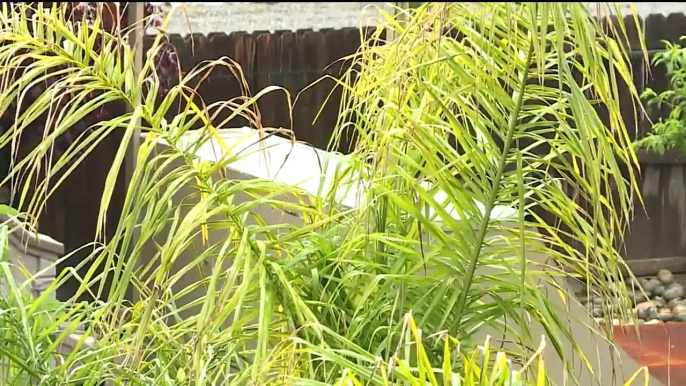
[300, 165]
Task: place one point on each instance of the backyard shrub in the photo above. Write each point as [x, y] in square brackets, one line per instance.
[669, 132]
[327, 302]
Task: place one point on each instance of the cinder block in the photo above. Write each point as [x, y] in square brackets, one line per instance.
[33, 257]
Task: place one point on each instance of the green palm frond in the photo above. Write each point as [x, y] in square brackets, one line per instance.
[493, 112]
[450, 128]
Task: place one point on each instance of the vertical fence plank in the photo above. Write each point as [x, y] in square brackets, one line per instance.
[656, 78]
[297, 83]
[243, 46]
[247, 61]
[352, 40]
[287, 69]
[225, 82]
[301, 124]
[267, 63]
[315, 69]
[630, 113]
[331, 92]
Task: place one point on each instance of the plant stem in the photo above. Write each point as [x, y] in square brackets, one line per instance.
[490, 204]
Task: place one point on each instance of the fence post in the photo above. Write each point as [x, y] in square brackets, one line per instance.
[395, 10]
[135, 14]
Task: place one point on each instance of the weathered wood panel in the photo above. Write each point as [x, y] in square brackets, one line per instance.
[657, 237]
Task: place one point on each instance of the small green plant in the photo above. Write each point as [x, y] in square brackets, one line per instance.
[670, 132]
[484, 366]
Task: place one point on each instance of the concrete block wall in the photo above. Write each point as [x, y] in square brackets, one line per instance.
[32, 257]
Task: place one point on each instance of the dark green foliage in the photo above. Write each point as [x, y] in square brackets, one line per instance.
[670, 132]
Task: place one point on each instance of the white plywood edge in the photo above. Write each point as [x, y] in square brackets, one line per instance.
[302, 166]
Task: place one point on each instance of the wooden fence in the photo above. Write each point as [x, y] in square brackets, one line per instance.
[657, 236]
[289, 59]
[294, 59]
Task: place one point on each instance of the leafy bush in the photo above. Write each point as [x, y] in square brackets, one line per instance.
[21, 320]
[308, 304]
[669, 132]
